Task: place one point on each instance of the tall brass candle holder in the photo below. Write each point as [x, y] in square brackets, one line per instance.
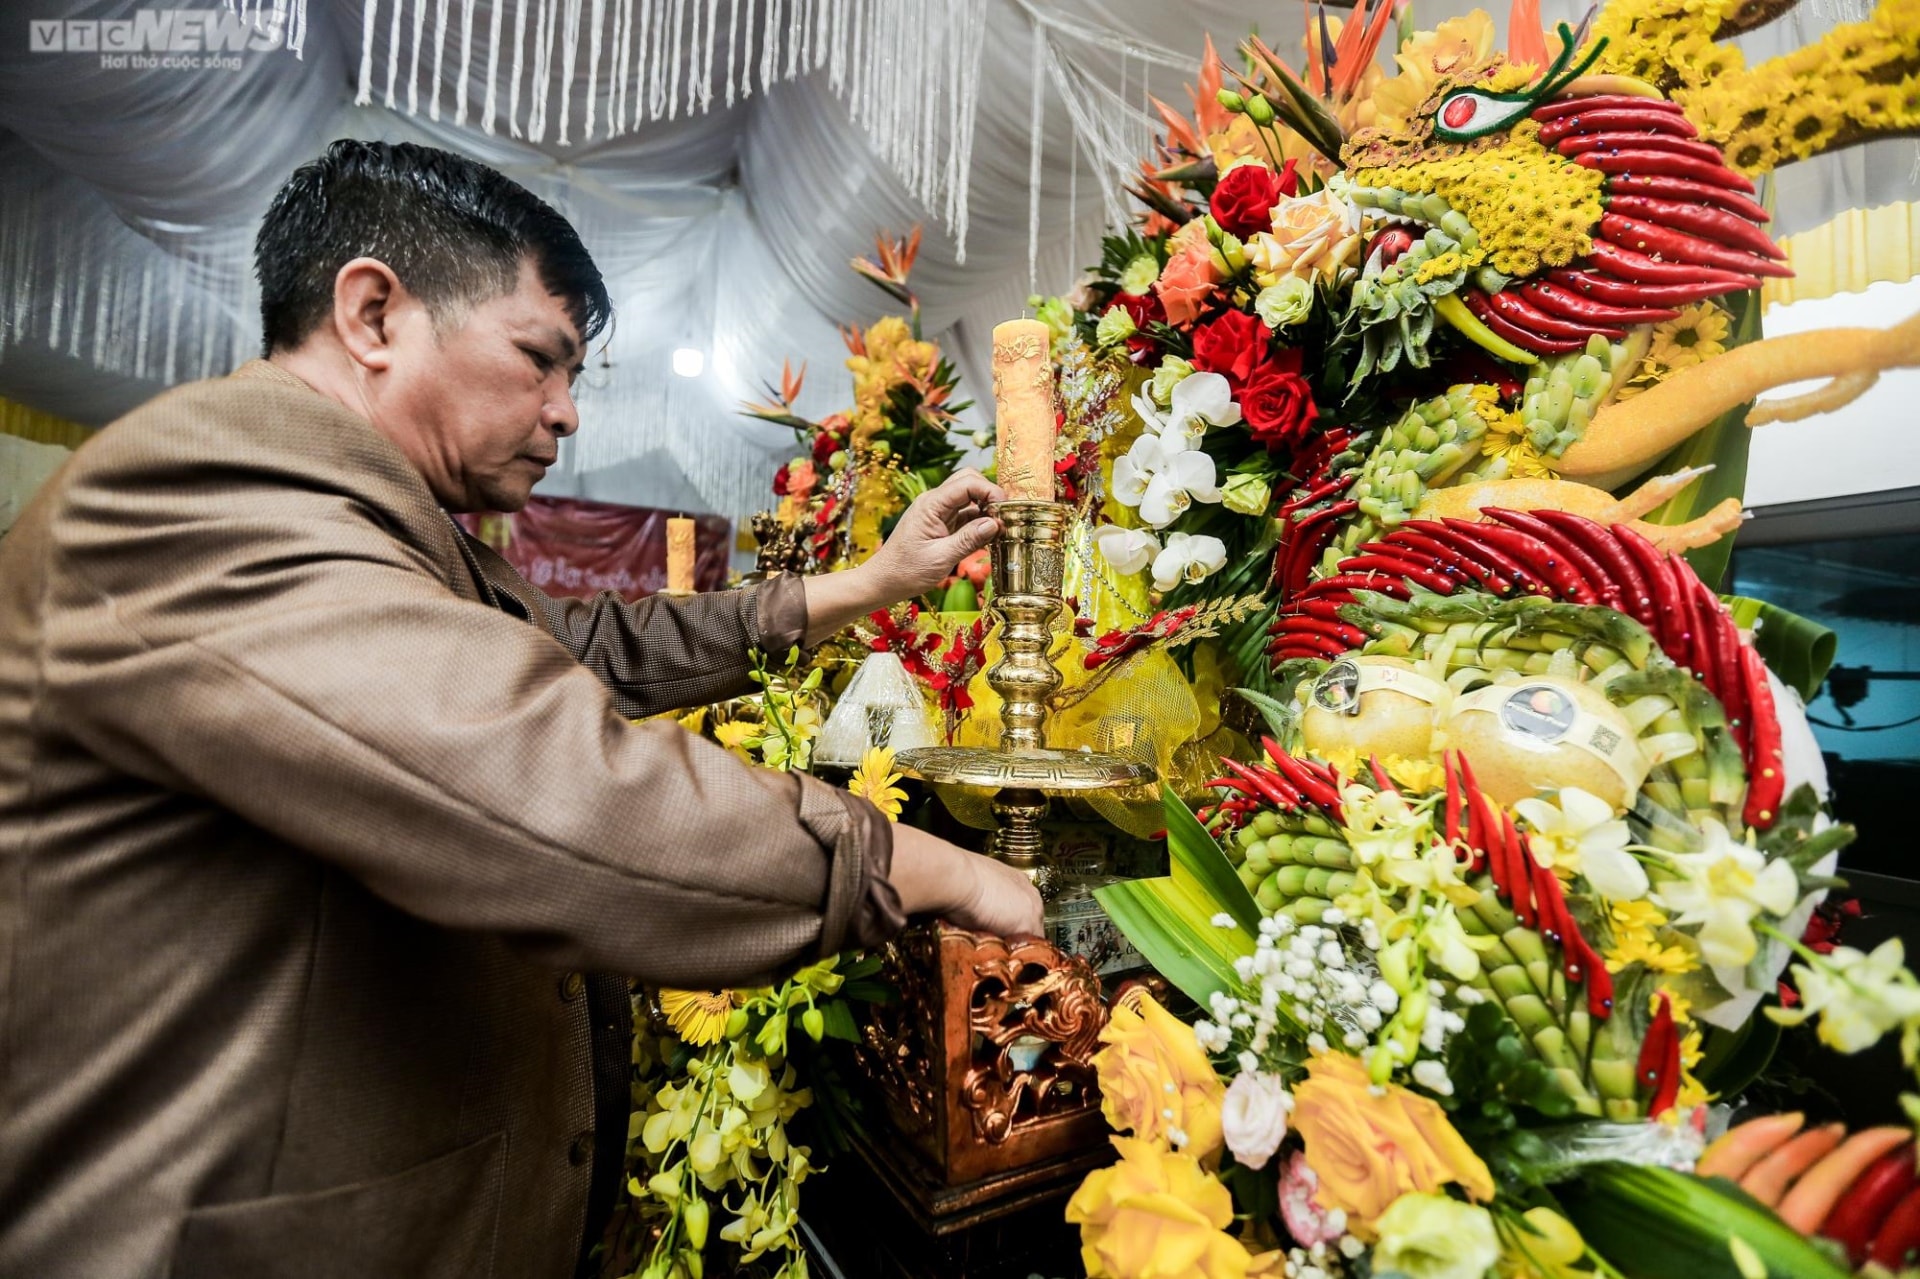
[1029, 563]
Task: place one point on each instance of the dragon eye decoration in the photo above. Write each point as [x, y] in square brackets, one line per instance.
[1466, 114]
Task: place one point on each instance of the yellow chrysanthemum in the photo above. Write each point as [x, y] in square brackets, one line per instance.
[1508, 441]
[1697, 333]
[697, 1016]
[874, 782]
[1643, 948]
[1636, 916]
[739, 737]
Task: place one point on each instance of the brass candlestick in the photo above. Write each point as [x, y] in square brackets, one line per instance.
[1029, 562]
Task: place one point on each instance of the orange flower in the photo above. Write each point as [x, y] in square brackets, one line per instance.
[1190, 275]
[1368, 1149]
[1156, 1081]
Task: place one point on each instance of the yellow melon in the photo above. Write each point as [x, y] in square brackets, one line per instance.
[1542, 733]
[1374, 705]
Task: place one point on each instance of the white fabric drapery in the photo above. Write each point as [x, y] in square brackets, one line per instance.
[723, 159]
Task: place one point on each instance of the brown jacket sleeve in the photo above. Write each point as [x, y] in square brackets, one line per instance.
[254, 634]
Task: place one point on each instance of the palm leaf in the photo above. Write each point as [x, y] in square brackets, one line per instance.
[1797, 650]
[1170, 920]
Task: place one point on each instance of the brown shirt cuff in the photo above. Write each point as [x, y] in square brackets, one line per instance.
[780, 614]
[861, 906]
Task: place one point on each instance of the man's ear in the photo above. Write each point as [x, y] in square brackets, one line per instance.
[367, 297]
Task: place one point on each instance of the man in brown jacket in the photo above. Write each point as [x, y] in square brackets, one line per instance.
[315, 816]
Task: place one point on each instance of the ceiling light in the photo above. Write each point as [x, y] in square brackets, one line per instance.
[689, 361]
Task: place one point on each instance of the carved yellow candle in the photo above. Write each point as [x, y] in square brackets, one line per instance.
[680, 556]
[1023, 404]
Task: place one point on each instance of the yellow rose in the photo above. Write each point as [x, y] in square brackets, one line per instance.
[1156, 1081]
[1156, 1214]
[1309, 237]
[1370, 1149]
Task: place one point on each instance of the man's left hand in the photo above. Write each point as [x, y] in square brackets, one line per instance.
[942, 527]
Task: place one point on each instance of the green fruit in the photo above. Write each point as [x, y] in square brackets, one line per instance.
[961, 597]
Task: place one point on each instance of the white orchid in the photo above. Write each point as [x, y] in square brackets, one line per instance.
[1722, 888]
[1858, 997]
[1128, 549]
[1187, 558]
[1161, 481]
[1200, 401]
[1581, 834]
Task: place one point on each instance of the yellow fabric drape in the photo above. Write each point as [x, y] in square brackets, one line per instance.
[41, 428]
[1858, 248]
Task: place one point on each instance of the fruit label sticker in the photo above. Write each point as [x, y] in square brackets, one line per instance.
[1340, 689]
[1543, 715]
[1540, 711]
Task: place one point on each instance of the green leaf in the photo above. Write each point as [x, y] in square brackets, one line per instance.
[839, 1021]
[1721, 444]
[1797, 650]
[1170, 920]
[1656, 1224]
[1732, 1059]
[1279, 719]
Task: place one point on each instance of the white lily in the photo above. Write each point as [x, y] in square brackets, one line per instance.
[1185, 479]
[1581, 834]
[1188, 558]
[1128, 549]
[1721, 889]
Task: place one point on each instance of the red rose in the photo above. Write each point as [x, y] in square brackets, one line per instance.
[1278, 404]
[1233, 345]
[1144, 310]
[825, 445]
[1243, 202]
[780, 482]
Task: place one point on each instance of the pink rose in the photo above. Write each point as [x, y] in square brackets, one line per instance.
[1187, 281]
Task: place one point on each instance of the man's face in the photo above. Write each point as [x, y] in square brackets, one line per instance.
[488, 395]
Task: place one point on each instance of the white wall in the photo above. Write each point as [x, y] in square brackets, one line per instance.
[1871, 444]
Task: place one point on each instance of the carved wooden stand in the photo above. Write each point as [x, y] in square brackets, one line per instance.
[983, 1112]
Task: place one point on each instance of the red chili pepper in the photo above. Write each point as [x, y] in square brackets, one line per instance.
[1389, 586]
[1327, 610]
[1766, 764]
[1316, 790]
[1450, 557]
[1319, 493]
[1598, 541]
[1607, 288]
[1434, 582]
[1477, 303]
[1725, 676]
[1345, 633]
[1630, 120]
[1870, 1201]
[1680, 246]
[1560, 108]
[1662, 586]
[1670, 188]
[1651, 1065]
[1701, 219]
[1305, 538]
[1599, 984]
[1262, 786]
[1380, 776]
[1302, 650]
[1514, 306]
[1465, 536]
[1899, 1237]
[1451, 829]
[1660, 164]
[1581, 143]
[1553, 569]
[1602, 583]
[1519, 865]
[1613, 259]
[1566, 302]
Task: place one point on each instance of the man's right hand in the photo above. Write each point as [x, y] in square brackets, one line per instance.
[934, 877]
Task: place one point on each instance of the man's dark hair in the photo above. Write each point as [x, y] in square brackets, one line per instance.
[453, 230]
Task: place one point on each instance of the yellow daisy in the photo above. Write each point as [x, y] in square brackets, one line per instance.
[874, 782]
[1631, 917]
[1698, 333]
[697, 1016]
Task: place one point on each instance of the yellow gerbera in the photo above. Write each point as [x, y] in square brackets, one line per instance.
[1698, 333]
[697, 1016]
[738, 736]
[1642, 948]
[874, 782]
